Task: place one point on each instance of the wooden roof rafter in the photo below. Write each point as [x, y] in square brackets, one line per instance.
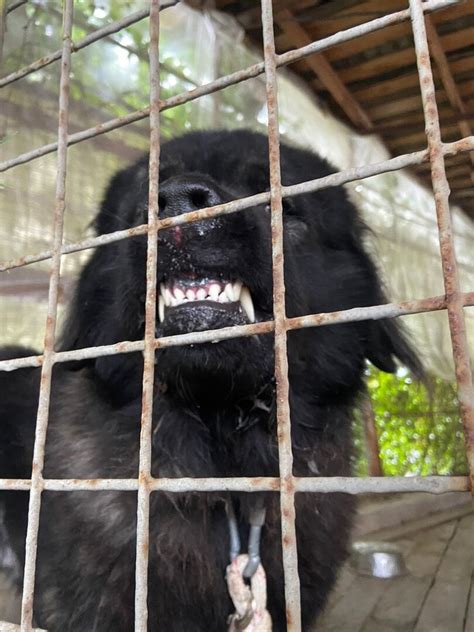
[452, 92]
[325, 72]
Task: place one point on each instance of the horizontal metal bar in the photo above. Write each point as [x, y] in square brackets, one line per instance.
[388, 310]
[334, 179]
[232, 79]
[359, 31]
[321, 484]
[97, 35]
[86, 41]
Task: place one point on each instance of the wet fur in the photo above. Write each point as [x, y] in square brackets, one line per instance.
[207, 420]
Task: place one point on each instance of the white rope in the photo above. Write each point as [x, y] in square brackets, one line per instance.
[250, 602]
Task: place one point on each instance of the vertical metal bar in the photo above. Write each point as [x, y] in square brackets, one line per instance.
[50, 331]
[454, 301]
[287, 490]
[143, 500]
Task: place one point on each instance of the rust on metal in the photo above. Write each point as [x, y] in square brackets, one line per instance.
[320, 484]
[228, 80]
[286, 485]
[285, 454]
[50, 331]
[454, 300]
[108, 29]
[335, 179]
[99, 34]
[389, 310]
[143, 501]
[358, 31]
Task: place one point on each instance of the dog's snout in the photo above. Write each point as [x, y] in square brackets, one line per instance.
[184, 194]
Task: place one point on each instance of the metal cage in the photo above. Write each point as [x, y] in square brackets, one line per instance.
[286, 485]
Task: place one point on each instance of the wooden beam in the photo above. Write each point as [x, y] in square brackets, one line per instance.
[374, 462]
[325, 72]
[451, 89]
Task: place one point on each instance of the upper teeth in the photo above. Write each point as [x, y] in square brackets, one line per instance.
[247, 304]
[173, 295]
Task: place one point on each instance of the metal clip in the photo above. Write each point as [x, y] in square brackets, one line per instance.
[257, 520]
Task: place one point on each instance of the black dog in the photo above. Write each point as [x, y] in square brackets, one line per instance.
[214, 413]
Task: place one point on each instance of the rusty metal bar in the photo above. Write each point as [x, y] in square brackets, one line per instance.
[454, 302]
[389, 310]
[285, 453]
[86, 41]
[97, 35]
[50, 331]
[334, 179]
[359, 31]
[143, 500]
[232, 79]
[347, 484]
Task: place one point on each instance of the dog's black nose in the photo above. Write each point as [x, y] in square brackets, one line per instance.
[182, 194]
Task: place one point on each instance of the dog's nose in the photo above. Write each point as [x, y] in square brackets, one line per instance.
[182, 194]
[186, 193]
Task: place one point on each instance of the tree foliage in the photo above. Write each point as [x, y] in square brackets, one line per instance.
[419, 428]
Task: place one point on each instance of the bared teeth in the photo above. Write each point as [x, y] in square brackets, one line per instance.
[214, 291]
[229, 291]
[167, 296]
[179, 294]
[174, 295]
[161, 308]
[247, 304]
[237, 288]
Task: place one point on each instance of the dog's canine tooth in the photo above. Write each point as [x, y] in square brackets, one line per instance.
[168, 296]
[229, 290]
[247, 304]
[161, 308]
[237, 288]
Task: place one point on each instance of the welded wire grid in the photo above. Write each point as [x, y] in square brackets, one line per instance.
[453, 301]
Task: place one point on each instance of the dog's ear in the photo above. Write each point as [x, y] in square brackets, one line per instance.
[386, 342]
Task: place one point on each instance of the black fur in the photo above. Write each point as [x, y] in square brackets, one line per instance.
[215, 414]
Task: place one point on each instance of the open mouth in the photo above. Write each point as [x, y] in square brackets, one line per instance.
[222, 295]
